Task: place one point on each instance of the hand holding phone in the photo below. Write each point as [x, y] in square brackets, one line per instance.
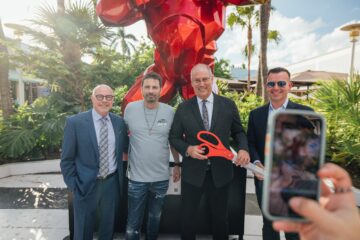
[294, 153]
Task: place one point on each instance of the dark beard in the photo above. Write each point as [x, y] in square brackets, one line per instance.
[151, 99]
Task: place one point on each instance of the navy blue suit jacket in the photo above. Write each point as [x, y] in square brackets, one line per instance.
[225, 123]
[257, 127]
[80, 153]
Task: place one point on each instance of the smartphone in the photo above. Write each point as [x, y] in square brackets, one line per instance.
[294, 152]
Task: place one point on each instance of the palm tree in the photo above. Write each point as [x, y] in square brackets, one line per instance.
[5, 96]
[248, 18]
[125, 41]
[264, 30]
[272, 36]
[66, 35]
[339, 101]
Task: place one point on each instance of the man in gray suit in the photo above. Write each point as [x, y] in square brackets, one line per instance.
[91, 164]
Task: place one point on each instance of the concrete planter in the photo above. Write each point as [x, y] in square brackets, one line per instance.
[32, 167]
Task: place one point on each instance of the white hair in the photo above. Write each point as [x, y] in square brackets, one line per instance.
[100, 86]
[200, 66]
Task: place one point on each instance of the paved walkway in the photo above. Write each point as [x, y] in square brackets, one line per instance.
[34, 207]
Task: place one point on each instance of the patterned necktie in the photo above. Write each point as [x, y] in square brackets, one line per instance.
[103, 148]
[205, 115]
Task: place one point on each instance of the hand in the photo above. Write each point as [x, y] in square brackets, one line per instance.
[196, 152]
[242, 158]
[176, 173]
[336, 218]
[259, 176]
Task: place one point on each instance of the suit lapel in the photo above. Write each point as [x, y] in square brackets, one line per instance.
[216, 107]
[196, 111]
[290, 105]
[264, 117]
[116, 130]
[93, 133]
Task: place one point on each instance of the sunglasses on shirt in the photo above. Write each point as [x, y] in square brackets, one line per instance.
[279, 83]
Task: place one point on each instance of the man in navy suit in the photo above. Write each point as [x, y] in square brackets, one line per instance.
[202, 176]
[278, 85]
[91, 164]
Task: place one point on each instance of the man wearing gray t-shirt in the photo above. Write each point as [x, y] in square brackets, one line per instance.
[149, 123]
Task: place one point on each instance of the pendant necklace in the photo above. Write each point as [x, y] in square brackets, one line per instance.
[150, 128]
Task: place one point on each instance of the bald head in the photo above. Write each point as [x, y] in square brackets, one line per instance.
[200, 67]
[201, 80]
[101, 86]
[102, 99]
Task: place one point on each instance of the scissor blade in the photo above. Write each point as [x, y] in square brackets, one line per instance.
[250, 166]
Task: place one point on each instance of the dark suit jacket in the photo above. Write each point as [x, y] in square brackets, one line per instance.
[80, 153]
[225, 122]
[257, 126]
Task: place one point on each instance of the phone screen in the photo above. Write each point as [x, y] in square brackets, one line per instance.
[296, 158]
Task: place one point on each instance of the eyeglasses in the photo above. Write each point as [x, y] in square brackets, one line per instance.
[200, 80]
[101, 97]
[279, 83]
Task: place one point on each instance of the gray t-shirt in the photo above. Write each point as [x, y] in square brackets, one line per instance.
[149, 146]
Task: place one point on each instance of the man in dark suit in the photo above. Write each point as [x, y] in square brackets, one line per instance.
[206, 111]
[278, 85]
[91, 164]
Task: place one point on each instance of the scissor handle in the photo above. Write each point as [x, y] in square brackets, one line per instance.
[218, 145]
[210, 151]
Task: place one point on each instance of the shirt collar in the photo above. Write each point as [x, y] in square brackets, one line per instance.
[96, 116]
[210, 99]
[283, 107]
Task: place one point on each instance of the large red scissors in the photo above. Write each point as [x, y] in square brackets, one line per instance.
[213, 147]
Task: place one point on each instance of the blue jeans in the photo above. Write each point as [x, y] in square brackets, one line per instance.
[140, 194]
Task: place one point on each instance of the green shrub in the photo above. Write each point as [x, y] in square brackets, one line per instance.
[245, 101]
[34, 131]
[339, 101]
[119, 93]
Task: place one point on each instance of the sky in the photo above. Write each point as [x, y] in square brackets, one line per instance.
[308, 28]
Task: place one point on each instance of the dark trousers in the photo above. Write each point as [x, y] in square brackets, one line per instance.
[268, 232]
[218, 202]
[104, 206]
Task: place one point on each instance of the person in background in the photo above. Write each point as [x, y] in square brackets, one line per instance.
[91, 164]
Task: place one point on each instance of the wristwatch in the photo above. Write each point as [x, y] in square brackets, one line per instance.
[176, 164]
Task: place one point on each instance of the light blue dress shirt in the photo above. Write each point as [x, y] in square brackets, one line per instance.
[111, 141]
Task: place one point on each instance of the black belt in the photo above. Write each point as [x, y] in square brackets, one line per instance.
[106, 177]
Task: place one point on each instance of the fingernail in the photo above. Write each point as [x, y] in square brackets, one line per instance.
[295, 202]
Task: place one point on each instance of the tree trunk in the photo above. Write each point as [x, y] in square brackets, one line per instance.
[249, 55]
[61, 6]
[5, 88]
[264, 29]
[72, 58]
[259, 87]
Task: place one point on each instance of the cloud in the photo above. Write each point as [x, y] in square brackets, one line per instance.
[300, 40]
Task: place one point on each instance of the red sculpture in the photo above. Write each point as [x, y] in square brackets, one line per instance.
[183, 31]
